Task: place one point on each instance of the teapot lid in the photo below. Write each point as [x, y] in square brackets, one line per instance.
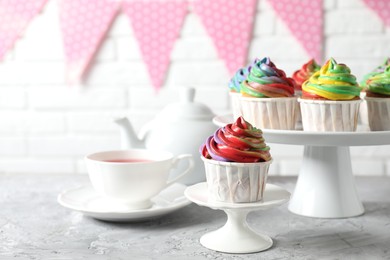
[186, 108]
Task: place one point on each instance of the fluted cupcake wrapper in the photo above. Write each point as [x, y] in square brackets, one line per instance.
[329, 115]
[298, 93]
[236, 182]
[235, 103]
[378, 113]
[363, 113]
[270, 113]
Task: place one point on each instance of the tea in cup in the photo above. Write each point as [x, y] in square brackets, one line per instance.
[133, 177]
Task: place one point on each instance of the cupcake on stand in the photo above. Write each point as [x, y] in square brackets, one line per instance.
[237, 161]
[378, 100]
[267, 99]
[303, 74]
[235, 90]
[363, 113]
[330, 99]
[300, 76]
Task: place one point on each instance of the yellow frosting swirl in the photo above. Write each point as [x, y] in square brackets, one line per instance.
[333, 81]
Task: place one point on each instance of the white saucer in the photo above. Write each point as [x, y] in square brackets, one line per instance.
[236, 236]
[87, 201]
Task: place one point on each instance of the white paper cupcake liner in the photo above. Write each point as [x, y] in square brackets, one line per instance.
[363, 113]
[270, 113]
[298, 94]
[236, 182]
[378, 113]
[329, 115]
[235, 103]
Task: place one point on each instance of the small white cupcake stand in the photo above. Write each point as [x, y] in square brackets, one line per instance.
[326, 186]
[236, 236]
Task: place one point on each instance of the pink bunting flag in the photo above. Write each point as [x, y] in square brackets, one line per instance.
[84, 24]
[304, 18]
[156, 26]
[381, 8]
[15, 15]
[230, 25]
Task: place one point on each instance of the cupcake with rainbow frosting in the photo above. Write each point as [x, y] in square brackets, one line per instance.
[330, 99]
[237, 161]
[380, 69]
[300, 76]
[363, 113]
[378, 100]
[267, 97]
[303, 74]
[235, 90]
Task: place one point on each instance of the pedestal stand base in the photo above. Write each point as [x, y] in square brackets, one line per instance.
[326, 186]
[236, 236]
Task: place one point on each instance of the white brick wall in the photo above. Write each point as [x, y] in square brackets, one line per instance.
[47, 126]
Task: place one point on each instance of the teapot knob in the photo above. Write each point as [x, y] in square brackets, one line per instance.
[187, 95]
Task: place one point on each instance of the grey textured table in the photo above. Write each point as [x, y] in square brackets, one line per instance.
[35, 226]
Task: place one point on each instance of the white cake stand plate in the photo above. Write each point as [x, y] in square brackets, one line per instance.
[236, 236]
[326, 186]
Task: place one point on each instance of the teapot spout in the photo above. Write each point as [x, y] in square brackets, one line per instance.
[129, 138]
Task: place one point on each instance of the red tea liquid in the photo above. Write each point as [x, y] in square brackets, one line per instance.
[135, 160]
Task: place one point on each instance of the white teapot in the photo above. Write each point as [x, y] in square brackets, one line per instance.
[179, 128]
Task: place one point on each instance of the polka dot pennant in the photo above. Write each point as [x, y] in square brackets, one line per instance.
[156, 26]
[15, 15]
[381, 8]
[84, 24]
[304, 18]
[230, 25]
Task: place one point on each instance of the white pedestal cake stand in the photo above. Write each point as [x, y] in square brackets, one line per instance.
[236, 236]
[326, 186]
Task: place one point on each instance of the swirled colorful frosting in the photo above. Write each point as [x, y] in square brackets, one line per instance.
[381, 68]
[265, 80]
[378, 85]
[304, 73]
[237, 142]
[238, 78]
[333, 81]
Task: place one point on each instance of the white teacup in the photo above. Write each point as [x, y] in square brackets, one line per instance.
[133, 177]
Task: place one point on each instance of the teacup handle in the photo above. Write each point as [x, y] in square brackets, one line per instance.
[188, 170]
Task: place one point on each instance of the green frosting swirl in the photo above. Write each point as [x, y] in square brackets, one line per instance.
[376, 71]
[265, 80]
[380, 83]
[334, 81]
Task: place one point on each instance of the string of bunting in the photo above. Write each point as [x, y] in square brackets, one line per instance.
[157, 25]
